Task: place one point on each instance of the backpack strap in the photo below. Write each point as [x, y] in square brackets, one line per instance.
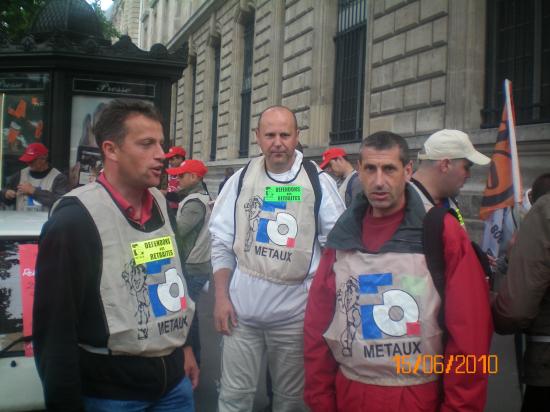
[432, 240]
[313, 174]
[241, 178]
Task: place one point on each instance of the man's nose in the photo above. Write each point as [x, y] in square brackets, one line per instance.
[379, 178]
[159, 151]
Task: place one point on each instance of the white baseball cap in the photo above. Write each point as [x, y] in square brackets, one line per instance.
[451, 144]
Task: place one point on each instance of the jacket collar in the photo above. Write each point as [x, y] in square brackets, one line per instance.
[347, 233]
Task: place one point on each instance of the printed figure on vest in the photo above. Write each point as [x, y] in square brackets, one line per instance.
[523, 300]
[335, 162]
[444, 166]
[175, 156]
[192, 219]
[112, 310]
[267, 226]
[373, 306]
[37, 186]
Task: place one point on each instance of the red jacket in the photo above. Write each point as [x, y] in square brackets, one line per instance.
[469, 327]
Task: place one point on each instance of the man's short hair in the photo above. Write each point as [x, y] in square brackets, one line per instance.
[541, 186]
[385, 140]
[111, 122]
[278, 107]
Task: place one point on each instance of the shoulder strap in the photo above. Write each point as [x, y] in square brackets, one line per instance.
[432, 240]
[241, 178]
[313, 174]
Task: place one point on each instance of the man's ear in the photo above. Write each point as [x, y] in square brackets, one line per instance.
[408, 170]
[110, 150]
[444, 165]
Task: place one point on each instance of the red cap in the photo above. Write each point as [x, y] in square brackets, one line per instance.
[33, 152]
[330, 154]
[189, 166]
[175, 151]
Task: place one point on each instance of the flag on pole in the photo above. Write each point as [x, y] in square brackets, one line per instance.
[503, 188]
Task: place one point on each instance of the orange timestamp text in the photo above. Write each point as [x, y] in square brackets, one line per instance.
[440, 364]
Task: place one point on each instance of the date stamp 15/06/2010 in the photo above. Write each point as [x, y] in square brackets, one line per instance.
[440, 364]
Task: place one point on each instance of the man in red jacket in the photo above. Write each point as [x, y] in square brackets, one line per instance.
[372, 338]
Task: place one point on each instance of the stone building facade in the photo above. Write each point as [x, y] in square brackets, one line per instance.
[413, 67]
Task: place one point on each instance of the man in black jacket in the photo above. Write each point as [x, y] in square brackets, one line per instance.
[112, 311]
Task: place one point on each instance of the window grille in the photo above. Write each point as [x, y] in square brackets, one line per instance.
[246, 91]
[347, 115]
[518, 48]
[214, 130]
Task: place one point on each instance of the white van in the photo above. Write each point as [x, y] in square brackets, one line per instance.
[20, 386]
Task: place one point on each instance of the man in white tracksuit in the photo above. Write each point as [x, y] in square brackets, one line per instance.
[267, 227]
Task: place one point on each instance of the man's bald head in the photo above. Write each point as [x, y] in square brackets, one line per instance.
[278, 107]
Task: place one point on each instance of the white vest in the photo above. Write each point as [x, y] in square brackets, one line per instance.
[386, 306]
[147, 307]
[201, 250]
[274, 240]
[28, 203]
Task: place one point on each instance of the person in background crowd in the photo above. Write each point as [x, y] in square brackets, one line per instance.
[371, 329]
[335, 162]
[192, 219]
[226, 175]
[176, 156]
[267, 227]
[37, 186]
[444, 167]
[112, 310]
[523, 300]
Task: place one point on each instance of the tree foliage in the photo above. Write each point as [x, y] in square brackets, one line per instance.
[16, 17]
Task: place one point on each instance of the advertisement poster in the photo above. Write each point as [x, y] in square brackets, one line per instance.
[27, 261]
[22, 105]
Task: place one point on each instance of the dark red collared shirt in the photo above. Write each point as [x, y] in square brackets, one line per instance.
[126, 207]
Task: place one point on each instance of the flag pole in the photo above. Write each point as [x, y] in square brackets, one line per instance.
[513, 147]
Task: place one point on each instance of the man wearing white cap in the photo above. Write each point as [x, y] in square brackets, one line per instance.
[444, 167]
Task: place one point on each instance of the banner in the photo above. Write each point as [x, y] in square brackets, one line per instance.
[27, 261]
[503, 188]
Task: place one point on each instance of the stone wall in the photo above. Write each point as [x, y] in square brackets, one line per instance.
[409, 65]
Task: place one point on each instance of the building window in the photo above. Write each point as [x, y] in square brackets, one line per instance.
[347, 114]
[192, 117]
[214, 130]
[246, 91]
[518, 48]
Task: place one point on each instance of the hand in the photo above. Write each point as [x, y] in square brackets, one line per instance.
[190, 366]
[224, 315]
[10, 194]
[26, 188]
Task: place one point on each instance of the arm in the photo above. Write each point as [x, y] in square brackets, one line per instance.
[528, 280]
[191, 215]
[9, 192]
[225, 317]
[223, 259]
[60, 186]
[320, 365]
[191, 368]
[58, 299]
[467, 318]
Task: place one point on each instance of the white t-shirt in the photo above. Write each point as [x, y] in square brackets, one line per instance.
[259, 302]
